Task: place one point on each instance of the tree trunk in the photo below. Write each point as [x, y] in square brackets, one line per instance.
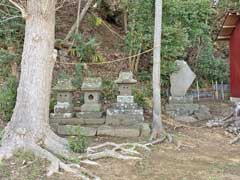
[29, 127]
[157, 122]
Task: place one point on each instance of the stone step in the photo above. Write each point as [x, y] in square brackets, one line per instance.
[79, 121]
[104, 130]
[69, 130]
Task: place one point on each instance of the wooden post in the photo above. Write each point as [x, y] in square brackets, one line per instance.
[198, 93]
[216, 90]
[222, 89]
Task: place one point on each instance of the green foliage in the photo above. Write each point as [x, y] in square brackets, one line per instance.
[11, 31]
[78, 75]
[167, 68]
[229, 4]
[84, 49]
[143, 95]
[213, 70]
[8, 97]
[144, 76]
[109, 90]
[53, 101]
[78, 143]
[209, 68]
[140, 25]
[174, 42]
[184, 23]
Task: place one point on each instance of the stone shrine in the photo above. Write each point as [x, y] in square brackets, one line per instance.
[92, 89]
[64, 106]
[91, 109]
[125, 112]
[181, 107]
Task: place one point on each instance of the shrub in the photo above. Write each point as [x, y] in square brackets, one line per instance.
[143, 95]
[8, 94]
[78, 75]
[78, 143]
[109, 90]
[84, 49]
[213, 70]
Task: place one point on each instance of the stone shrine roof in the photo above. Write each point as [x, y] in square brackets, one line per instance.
[92, 84]
[125, 78]
[64, 85]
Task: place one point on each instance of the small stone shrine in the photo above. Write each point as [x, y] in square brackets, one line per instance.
[125, 112]
[92, 89]
[91, 109]
[181, 107]
[64, 106]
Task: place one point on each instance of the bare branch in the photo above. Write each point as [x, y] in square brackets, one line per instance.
[10, 18]
[20, 7]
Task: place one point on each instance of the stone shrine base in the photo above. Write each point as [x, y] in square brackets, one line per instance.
[97, 127]
[183, 109]
[124, 114]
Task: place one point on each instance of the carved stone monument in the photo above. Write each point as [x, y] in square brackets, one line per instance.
[181, 107]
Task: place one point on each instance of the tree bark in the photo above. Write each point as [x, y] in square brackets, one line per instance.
[157, 122]
[29, 127]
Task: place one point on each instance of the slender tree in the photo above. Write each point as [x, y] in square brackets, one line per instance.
[157, 122]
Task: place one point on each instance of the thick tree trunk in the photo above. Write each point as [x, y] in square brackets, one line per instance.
[157, 122]
[29, 128]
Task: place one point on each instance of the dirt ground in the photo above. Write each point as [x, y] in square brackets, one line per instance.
[196, 154]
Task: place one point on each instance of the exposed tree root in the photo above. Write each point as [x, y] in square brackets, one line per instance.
[52, 145]
[235, 140]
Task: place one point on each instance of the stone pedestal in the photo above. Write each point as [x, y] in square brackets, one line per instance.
[183, 109]
[125, 113]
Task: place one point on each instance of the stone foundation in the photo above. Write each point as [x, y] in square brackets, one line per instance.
[97, 127]
[183, 109]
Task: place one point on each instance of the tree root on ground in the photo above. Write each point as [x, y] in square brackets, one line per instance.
[49, 149]
[235, 140]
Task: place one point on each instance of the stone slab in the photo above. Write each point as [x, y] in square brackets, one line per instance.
[106, 131]
[181, 100]
[181, 109]
[203, 113]
[127, 131]
[132, 131]
[81, 121]
[89, 115]
[61, 115]
[187, 119]
[125, 99]
[91, 108]
[125, 106]
[69, 130]
[182, 79]
[118, 117]
[63, 107]
[72, 121]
